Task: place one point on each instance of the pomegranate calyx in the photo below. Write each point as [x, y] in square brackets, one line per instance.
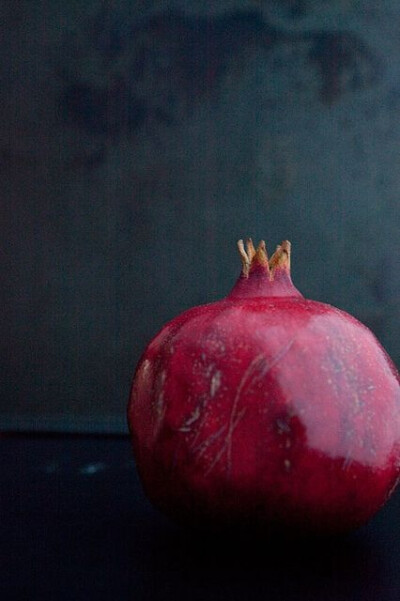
[263, 277]
[251, 258]
[281, 258]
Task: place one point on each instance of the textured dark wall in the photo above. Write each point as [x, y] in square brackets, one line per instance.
[140, 140]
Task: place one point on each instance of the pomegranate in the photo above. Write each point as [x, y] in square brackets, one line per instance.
[266, 410]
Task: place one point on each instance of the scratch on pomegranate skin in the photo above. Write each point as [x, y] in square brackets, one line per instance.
[347, 461]
[224, 447]
[145, 368]
[159, 405]
[259, 360]
[203, 446]
[187, 424]
[200, 422]
[258, 363]
[215, 383]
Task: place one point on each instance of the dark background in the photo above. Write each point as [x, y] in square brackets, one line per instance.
[140, 140]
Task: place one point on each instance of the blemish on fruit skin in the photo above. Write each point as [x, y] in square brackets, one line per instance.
[186, 426]
[159, 404]
[203, 446]
[282, 426]
[287, 465]
[215, 383]
[145, 369]
[159, 401]
[227, 444]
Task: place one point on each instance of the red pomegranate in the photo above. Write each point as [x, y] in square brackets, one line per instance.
[266, 410]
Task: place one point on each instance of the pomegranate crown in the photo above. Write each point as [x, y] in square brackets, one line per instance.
[253, 258]
[263, 277]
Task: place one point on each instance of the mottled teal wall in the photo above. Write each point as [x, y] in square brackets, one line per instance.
[140, 140]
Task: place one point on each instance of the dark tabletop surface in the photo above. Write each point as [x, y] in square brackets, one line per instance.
[75, 526]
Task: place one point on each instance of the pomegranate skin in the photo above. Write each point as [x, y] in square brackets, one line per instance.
[266, 410]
